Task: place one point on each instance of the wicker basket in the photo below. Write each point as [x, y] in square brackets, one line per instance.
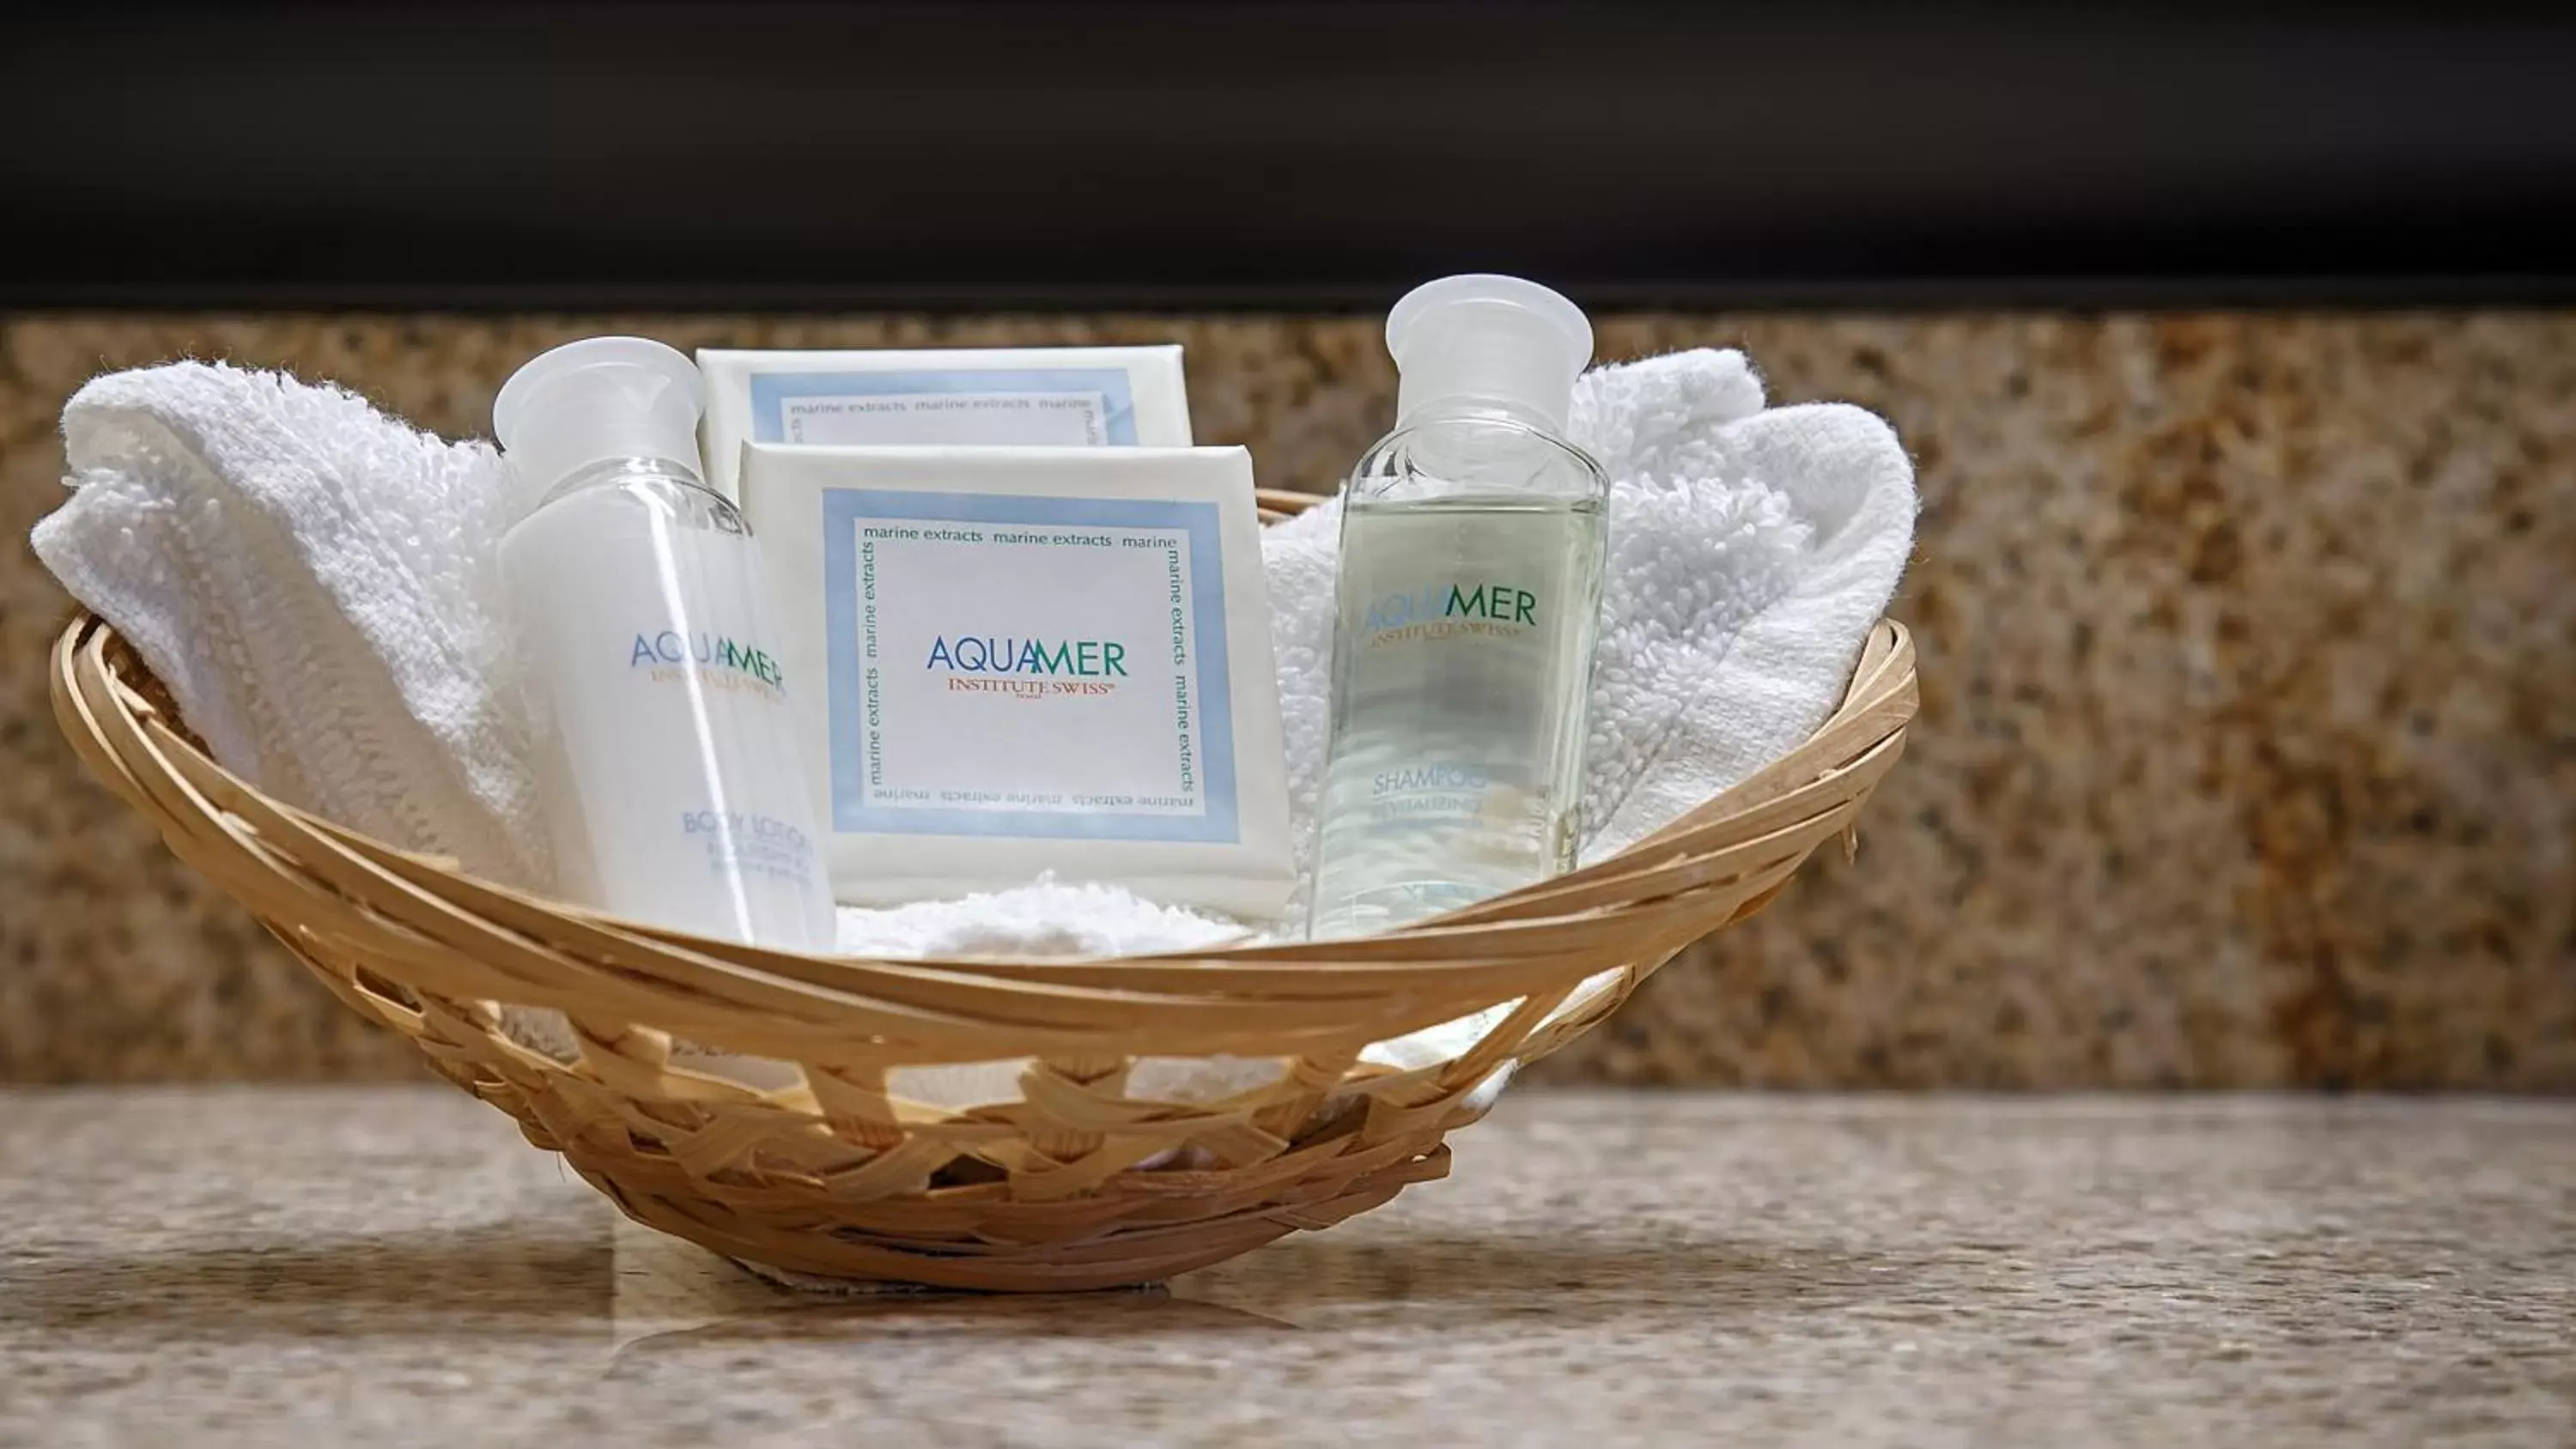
[1077, 1184]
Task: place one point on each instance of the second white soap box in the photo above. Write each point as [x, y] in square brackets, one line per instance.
[1032, 660]
[1064, 397]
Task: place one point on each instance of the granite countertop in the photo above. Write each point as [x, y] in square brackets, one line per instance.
[391, 1265]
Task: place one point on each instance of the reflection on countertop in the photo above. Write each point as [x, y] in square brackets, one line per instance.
[393, 1266]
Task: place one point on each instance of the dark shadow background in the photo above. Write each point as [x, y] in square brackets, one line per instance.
[768, 156]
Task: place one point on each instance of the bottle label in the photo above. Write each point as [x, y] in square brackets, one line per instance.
[750, 843]
[1444, 792]
[1449, 609]
[708, 659]
[673, 787]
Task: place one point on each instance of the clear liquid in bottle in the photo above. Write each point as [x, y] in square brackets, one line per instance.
[1461, 667]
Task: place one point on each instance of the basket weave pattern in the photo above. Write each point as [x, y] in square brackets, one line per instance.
[1076, 1184]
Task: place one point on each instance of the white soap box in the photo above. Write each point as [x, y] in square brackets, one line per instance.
[1007, 661]
[1115, 397]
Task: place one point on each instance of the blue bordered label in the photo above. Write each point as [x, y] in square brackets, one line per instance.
[1038, 667]
[1022, 406]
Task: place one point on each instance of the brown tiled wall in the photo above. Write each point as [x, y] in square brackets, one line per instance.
[2247, 755]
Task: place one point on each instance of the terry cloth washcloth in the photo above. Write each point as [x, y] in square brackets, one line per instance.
[310, 579]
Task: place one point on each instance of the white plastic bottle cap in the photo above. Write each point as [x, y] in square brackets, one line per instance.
[1487, 338]
[596, 399]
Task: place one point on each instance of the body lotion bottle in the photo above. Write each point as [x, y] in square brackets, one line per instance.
[667, 755]
[1469, 596]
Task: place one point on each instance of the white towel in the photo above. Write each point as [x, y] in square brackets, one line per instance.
[311, 578]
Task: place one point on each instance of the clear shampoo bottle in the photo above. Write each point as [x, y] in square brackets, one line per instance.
[1469, 599]
[667, 755]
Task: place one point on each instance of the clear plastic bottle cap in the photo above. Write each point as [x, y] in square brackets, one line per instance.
[589, 401]
[1487, 338]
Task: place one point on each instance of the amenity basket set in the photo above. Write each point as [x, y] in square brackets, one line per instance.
[1078, 1183]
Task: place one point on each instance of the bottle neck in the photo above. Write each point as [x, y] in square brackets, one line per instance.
[612, 472]
[1474, 447]
[1478, 409]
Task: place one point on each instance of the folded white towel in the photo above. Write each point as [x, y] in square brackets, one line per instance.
[311, 579]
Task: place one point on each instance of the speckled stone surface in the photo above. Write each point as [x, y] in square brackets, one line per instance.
[392, 1266]
[2248, 657]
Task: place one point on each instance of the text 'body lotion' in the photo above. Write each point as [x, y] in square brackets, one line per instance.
[1469, 599]
[667, 755]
